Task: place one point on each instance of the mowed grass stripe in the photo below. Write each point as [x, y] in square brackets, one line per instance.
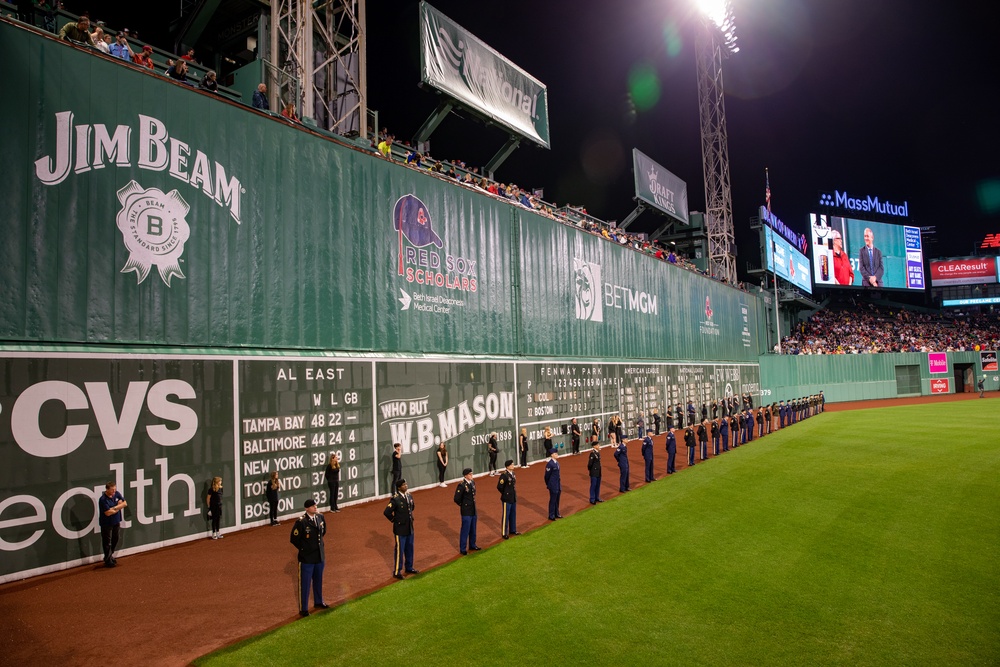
[865, 538]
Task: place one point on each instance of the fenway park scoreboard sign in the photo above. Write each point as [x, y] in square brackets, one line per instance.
[161, 427]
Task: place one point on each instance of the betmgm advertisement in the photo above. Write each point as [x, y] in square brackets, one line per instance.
[158, 429]
[786, 261]
[865, 254]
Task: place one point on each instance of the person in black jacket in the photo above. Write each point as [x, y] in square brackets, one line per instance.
[214, 502]
[332, 476]
[307, 536]
[271, 491]
[400, 512]
[690, 442]
[465, 498]
[507, 486]
[575, 433]
[656, 422]
[522, 447]
[594, 470]
[493, 449]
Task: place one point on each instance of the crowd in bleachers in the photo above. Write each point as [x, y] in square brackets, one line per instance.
[869, 329]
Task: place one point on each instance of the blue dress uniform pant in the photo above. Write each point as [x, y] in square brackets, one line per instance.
[649, 470]
[623, 480]
[554, 503]
[310, 574]
[595, 489]
[725, 443]
[508, 519]
[690, 456]
[703, 446]
[671, 461]
[403, 554]
[715, 444]
[467, 538]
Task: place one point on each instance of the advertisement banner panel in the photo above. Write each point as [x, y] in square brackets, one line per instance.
[422, 404]
[458, 63]
[937, 362]
[659, 188]
[160, 429]
[940, 386]
[988, 360]
[963, 271]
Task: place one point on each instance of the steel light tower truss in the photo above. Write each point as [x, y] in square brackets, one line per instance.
[716, 41]
[317, 57]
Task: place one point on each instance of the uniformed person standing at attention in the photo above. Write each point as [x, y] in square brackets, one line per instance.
[715, 437]
[621, 455]
[307, 536]
[400, 512]
[594, 470]
[508, 501]
[647, 457]
[703, 439]
[690, 442]
[671, 452]
[465, 498]
[724, 433]
[553, 484]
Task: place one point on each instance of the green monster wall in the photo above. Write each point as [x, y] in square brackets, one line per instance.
[190, 288]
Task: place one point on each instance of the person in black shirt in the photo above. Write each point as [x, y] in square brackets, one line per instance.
[332, 477]
[214, 502]
[575, 433]
[271, 490]
[493, 450]
[397, 464]
[522, 447]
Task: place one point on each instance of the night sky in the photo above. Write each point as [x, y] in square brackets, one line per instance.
[891, 98]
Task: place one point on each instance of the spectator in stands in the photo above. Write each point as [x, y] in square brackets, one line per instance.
[189, 56]
[671, 257]
[260, 98]
[178, 71]
[385, 146]
[209, 82]
[48, 12]
[288, 111]
[414, 158]
[145, 57]
[77, 32]
[101, 41]
[121, 49]
[451, 173]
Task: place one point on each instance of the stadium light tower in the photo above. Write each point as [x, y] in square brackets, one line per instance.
[717, 40]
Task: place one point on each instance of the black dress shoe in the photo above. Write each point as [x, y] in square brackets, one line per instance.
[475, 548]
[464, 553]
[593, 502]
[399, 576]
[558, 516]
[413, 571]
[552, 518]
[599, 500]
[303, 613]
[515, 533]
[506, 537]
[322, 605]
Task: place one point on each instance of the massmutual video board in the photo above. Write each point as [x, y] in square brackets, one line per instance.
[784, 259]
[860, 253]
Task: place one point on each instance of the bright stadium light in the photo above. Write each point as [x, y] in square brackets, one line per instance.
[720, 13]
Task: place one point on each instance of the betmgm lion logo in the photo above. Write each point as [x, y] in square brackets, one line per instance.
[587, 279]
[154, 230]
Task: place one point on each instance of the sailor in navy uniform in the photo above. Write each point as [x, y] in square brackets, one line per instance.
[307, 536]
[594, 470]
[553, 484]
[621, 455]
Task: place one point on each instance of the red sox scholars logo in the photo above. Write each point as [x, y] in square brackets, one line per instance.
[154, 230]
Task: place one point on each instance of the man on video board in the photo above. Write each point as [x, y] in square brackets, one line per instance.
[871, 262]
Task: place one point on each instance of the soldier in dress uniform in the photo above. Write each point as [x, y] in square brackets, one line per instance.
[307, 536]
[715, 437]
[465, 498]
[671, 452]
[703, 439]
[621, 456]
[724, 433]
[508, 501]
[400, 512]
[690, 442]
[594, 470]
[647, 457]
[553, 484]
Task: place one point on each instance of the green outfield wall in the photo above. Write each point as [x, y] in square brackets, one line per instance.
[858, 377]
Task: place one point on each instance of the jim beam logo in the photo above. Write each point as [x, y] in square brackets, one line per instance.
[154, 230]
[152, 223]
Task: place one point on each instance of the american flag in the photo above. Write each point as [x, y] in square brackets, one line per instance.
[767, 189]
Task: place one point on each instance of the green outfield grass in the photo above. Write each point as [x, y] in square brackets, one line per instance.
[869, 537]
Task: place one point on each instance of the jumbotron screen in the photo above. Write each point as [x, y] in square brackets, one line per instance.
[860, 253]
[786, 261]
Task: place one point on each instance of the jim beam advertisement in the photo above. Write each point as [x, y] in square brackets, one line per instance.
[159, 429]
